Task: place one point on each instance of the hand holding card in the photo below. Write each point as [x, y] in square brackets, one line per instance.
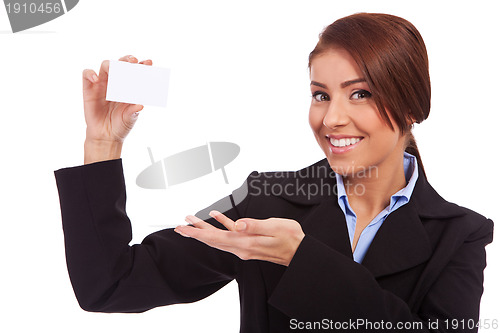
[137, 84]
[108, 122]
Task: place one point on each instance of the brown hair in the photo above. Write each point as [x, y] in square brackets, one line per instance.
[393, 59]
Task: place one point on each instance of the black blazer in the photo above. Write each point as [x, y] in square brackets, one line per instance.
[424, 267]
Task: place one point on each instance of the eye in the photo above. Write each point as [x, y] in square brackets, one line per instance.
[361, 94]
[320, 96]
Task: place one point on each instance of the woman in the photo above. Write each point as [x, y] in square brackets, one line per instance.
[358, 240]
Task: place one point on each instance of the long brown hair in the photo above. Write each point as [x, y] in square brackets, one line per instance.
[392, 56]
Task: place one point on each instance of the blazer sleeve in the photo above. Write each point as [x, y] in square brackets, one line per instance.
[346, 292]
[106, 273]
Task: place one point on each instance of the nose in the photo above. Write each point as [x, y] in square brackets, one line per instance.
[336, 115]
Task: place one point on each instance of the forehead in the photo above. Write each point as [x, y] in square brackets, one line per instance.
[334, 66]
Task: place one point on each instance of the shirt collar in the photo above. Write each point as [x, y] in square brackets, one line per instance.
[411, 174]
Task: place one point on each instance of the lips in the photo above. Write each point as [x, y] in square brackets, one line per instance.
[339, 144]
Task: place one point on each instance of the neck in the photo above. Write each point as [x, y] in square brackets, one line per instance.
[370, 192]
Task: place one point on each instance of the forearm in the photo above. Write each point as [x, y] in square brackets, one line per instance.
[89, 253]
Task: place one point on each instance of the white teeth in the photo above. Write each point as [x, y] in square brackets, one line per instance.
[344, 142]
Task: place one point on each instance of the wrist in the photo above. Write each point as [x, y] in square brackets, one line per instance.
[101, 150]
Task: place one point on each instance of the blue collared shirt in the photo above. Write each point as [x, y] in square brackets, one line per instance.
[398, 199]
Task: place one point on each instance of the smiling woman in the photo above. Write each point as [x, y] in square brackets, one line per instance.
[359, 237]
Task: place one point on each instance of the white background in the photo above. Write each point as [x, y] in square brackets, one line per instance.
[239, 74]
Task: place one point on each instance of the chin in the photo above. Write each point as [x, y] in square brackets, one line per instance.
[350, 167]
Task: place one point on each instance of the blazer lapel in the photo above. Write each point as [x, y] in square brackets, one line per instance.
[400, 243]
[327, 224]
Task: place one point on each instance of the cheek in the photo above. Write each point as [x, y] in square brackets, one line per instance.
[385, 134]
[315, 120]
[382, 136]
[369, 121]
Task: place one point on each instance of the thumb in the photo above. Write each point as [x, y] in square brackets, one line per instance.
[240, 225]
[251, 226]
[267, 227]
[132, 113]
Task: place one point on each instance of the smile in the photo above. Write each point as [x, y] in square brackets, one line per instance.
[344, 142]
[342, 145]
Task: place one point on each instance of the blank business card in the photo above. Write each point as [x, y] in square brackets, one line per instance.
[137, 84]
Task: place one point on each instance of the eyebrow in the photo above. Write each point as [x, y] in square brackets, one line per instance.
[314, 83]
[348, 83]
[342, 85]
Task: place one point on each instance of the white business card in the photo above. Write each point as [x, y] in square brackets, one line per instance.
[137, 84]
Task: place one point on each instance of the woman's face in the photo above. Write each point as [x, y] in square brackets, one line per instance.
[345, 120]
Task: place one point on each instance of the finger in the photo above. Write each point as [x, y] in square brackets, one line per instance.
[187, 231]
[198, 223]
[242, 245]
[129, 58]
[89, 77]
[266, 227]
[104, 70]
[212, 237]
[223, 219]
[180, 231]
[148, 62]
